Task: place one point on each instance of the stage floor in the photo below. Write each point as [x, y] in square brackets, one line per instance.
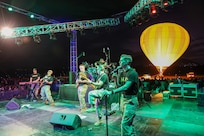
[177, 117]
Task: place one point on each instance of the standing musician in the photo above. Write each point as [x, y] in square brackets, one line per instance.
[129, 99]
[83, 83]
[95, 96]
[35, 85]
[45, 93]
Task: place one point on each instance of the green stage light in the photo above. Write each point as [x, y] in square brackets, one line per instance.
[32, 16]
[10, 9]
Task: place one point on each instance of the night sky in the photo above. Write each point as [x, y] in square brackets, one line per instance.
[51, 54]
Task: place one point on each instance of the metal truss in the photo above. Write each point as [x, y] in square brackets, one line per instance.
[61, 27]
[141, 4]
[28, 13]
[138, 7]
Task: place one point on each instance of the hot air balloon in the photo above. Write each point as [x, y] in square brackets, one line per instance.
[163, 44]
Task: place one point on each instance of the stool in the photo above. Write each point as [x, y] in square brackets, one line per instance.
[166, 94]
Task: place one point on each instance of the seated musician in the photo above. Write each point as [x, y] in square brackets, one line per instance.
[35, 86]
[82, 82]
[95, 96]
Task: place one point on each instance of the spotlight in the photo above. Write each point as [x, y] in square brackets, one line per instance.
[36, 38]
[10, 9]
[32, 16]
[52, 36]
[165, 4]
[153, 9]
[6, 32]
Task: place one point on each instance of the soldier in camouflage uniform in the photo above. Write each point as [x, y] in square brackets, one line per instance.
[129, 99]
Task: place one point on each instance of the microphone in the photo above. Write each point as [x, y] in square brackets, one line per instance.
[118, 67]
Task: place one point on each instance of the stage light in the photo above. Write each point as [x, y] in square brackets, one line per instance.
[18, 41]
[138, 18]
[145, 14]
[132, 23]
[10, 9]
[52, 36]
[6, 32]
[36, 38]
[153, 9]
[165, 4]
[32, 16]
[69, 34]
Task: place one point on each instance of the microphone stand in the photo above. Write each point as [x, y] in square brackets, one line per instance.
[106, 113]
[109, 55]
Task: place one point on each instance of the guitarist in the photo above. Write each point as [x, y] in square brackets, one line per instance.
[45, 93]
[83, 82]
[35, 86]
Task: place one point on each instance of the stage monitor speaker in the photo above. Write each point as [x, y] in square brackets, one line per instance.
[13, 104]
[200, 99]
[65, 121]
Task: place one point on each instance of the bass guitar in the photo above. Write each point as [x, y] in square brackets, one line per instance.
[83, 77]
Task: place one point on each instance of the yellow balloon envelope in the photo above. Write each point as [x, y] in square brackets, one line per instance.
[164, 43]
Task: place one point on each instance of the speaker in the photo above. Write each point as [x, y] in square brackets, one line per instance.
[200, 99]
[13, 104]
[68, 92]
[65, 121]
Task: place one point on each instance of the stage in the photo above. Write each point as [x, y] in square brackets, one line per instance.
[171, 117]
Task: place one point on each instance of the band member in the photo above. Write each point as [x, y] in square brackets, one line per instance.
[35, 85]
[129, 100]
[45, 93]
[83, 81]
[95, 96]
[101, 62]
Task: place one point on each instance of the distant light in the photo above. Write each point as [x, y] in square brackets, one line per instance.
[6, 32]
[32, 16]
[10, 9]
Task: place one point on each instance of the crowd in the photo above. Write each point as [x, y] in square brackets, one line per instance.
[11, 84]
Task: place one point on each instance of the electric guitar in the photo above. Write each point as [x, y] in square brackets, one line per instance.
[83, 77]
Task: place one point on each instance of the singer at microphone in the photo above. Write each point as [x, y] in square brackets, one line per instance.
[118, 67]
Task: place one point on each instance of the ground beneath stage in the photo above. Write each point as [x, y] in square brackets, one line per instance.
[177, 117]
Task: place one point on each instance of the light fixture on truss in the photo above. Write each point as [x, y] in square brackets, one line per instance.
[36, 38]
